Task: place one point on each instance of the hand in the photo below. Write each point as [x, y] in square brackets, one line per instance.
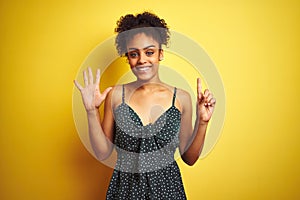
[91, 96]
[205, 103]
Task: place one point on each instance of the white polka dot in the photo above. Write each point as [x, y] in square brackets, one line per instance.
[146, 168]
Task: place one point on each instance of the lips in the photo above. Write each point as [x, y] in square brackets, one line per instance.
[142, 68]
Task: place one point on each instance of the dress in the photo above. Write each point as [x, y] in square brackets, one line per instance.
[145, 167]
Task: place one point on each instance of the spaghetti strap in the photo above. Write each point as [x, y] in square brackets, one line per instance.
[145, 166]
[123, 94]
[174, 96]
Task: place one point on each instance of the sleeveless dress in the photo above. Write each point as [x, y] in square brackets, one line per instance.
[145, 167]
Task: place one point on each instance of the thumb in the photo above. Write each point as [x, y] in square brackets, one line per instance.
[106, 91]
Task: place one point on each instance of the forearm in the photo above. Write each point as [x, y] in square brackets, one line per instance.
[195, 144]
[100, 143]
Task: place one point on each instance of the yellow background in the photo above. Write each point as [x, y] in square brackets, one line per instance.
[254, 45]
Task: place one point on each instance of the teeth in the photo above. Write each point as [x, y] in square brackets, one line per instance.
[142, 68]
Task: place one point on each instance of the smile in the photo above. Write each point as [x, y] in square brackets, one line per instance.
[143, 69]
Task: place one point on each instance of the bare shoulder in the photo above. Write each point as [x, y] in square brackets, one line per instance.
[184, 99]
[183, 95]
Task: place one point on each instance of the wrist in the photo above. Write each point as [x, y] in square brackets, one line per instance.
[92, 111]
[202, 122]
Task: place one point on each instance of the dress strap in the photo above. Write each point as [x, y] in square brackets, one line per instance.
[174, 96]
[123, 94]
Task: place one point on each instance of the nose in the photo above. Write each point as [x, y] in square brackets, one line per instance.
[142, 58]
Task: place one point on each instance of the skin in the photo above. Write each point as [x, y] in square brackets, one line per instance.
[149, 97]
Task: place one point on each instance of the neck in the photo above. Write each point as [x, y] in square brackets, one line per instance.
[148, 85]
[144, 84]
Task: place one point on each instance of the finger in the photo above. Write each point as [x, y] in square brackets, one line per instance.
[209, 97]
[206, 93]
[199, 89]
[106, 91]
[85, 78]
[78, 85]
[212, 102]
[98, 77]
[91, 79]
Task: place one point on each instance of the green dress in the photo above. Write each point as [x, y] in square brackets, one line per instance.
[145, 167]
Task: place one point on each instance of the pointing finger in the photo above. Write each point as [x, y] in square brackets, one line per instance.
[199, 88]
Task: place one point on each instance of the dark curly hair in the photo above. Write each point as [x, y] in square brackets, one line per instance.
[150, 24]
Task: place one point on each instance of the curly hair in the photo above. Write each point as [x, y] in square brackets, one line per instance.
[150, 24]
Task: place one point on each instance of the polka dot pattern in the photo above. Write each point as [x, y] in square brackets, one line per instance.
[145, 167]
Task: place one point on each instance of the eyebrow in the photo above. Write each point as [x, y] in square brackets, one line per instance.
[147, 47]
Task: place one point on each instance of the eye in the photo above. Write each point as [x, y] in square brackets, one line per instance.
[149, 53]
[133, 54]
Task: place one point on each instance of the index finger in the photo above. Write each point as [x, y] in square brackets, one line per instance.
[199, 88]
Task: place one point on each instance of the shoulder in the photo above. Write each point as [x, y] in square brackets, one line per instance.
[183, 95]
[184, 99]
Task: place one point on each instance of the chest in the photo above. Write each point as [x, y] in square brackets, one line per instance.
[149, 108]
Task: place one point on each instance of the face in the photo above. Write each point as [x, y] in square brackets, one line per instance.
[144, 56]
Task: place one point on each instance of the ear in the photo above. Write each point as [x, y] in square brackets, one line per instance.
[161, 54]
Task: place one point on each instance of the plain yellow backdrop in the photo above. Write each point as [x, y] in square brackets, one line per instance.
[254, 45]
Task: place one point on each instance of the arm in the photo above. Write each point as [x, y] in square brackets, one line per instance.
[192, 140]
[92, 99]
[101, 135]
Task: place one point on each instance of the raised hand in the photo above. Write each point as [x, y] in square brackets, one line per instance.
[205, 103]
[90, 93]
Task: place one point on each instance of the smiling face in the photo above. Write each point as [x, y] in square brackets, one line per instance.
[144, 55]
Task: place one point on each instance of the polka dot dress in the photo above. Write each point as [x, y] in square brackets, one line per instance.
[145, 167]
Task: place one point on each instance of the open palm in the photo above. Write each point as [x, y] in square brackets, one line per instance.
[90, 93]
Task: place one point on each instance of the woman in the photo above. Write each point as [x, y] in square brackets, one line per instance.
[145, 120]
